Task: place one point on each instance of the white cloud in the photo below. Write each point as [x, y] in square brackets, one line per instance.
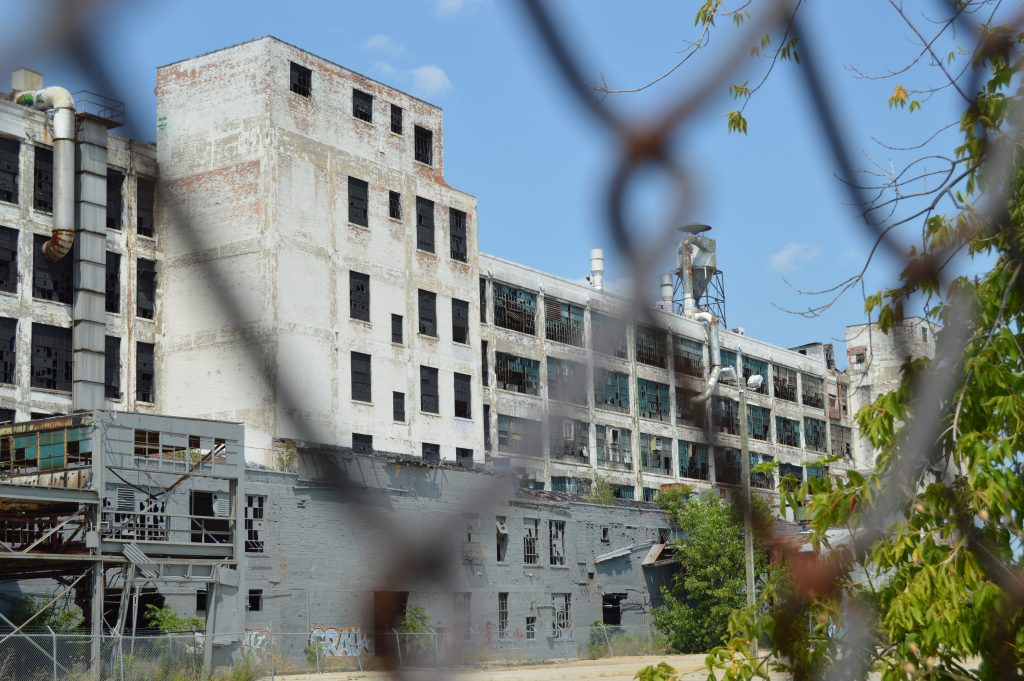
[385, 69]
[450, 7]
[792, 257]
[384, 43]
[430, 80]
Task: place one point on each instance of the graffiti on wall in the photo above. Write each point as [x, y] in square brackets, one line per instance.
[339, 641]
[254, 641]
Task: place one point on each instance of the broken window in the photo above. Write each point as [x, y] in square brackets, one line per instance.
[517, 374]
[146, 444]
[693, 461]
[255, 505]
[8, 259]
[463, 396]
[688, 356]
[814, 434]
[728, 467]
[609, 335]
[144, 203]
[689, 413]
[614, 447]
[7, 416]
[652, 400]
[464, 457]
[563, 323]
[42, 188]
[396, 119]
[431, 452]
[531, 628]
[556, 535]
[568, 485]
[531, 537]
[424, 143]
[759, 422]
[752, 366]
[501, 538]
[362, 105]
[812, 391]
[113, 303]
[8, 349]
[725, 415]
[841, 440]
[650, 494]
[301, 80]
[728, 358]
[460, 321]
[790, 476]
[255, 601]
[51, 280]
[115, 182]
[457, 227]
[398, 406]
[394, 205]
[201, 600]
[145, 301]
[502, 614]
[396, 328]
[485, 369]
[51, 357]
[362, 443]
[567, 381]
[656, 454]
[784, 382]
[519, 436]
[650, 346]
[487, 427]
[112, 368]
[211, 521]
[483, 300]
[428, 390]
[358, 202]
[145, 372]
[515, 309]
[562, 622]
[611, 390]
[361, 377]
[359, 296]
[424, 224]
[569, 440]
[10, 150]
[761, 479]
[787, 431]
[428, 313]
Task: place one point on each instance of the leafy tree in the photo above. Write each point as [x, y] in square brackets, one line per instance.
[63, 616]
[167, 620]
[601, 492]
[419, 629]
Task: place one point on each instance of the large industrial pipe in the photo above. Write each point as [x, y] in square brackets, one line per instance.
[711, 327]
[666, 291]
[63, 236]
[689, 305]
[597, 268]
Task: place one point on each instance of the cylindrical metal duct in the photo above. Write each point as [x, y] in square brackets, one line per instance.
[714, 352]
[666, 291]
[597, 268]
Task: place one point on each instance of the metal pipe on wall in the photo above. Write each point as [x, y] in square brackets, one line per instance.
[714, 352]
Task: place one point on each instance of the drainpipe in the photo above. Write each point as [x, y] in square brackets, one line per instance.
[597, 268]
[711, 326]
[63, 236]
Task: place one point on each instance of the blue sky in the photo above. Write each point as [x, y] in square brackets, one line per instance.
[538, 164]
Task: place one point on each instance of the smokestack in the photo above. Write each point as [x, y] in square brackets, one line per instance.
[666, 292]
[597, 268]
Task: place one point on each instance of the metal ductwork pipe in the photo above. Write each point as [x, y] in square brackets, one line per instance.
[666, 291]
[711, 327]
[60, 100]
[597, 268]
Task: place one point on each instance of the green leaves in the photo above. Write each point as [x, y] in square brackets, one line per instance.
[736, 122]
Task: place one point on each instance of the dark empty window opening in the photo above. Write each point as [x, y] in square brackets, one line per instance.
[568, 440]
[51, 280]
[812, 392]
[841, 444]
[8, 259]
[463, 396]
[611, 609]
[301, 80]
[650, 347]
[201, 600]
[42, 188]
[457, 222]
[460, 321]
[485, 369]
[8, 415]
[113, 282]
[431, 452]
[464, 457]
[144, 205]
[8, 349]
[656, 454]
[51, 357]
[10, 150]
[501, 539]
[688, 356]
[567, 381]
[396, 328]
[255, 602]
[358, 202]
[146, 295]
[362, 105]
[428, 313]
[693, 461]
[359, 296]
[424, 142]
[398, 407]
[145, 372]
[759, 421]
[688, 413]
[517, 374]
[112, 368]
[424, 224]
[396, 119]
[483, 300]
[362, 444]
[428, 390]
[787, 431]
[487, 427]
[115, 181]
[361, 377]
[515, 309]
[394, 205]
[814, 434]
[609, 335]
[752, 366]
[727, 466]
[784, 382]
[725, 415]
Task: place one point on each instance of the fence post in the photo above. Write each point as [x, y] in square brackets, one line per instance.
[607, 641]
[437, 655]
[316, 654]
[53, 650]
[398, 641]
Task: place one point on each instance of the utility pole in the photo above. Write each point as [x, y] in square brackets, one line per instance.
[748, 525]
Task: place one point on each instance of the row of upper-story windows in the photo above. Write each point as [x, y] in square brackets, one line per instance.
[462, 391]
[426, 307]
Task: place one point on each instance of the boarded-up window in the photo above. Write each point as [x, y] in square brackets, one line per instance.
[359, 296]
[51, 357]
[358, 202]
[424, 224]
[457, 225]
[145, 372]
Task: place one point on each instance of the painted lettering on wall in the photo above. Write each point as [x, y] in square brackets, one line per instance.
[254, 641]
[339, 641]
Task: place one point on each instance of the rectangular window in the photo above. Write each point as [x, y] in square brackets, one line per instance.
[784, 382]
[428, 390]
[460, 321]
[515, 309]
[689, 413]
[394, 205]
[759, 422]
[650, 347]
[362, 105]
[424, 143]
[517, 374]
[301, 80]
[519, 436]
[563, 323]
[727, 465]
[398, 406]
[729, 358]
[531, 539]
[145, 297]
[650, 494]
[112, 368]
[761, 479]
[396, 329]
[531, 628]
[693, 461]
[428, 313]
[483, 300]
[359, 296]
[609, 335]
[358, 202]
[51, 280]
[487, 427]
[396, 119]
[725, 415]
[115, 183]
[457, 226]
[567, 381]
[485, 368]
[556, 537]
[255, 601]
[652, 400]
[561, 625]
[578, 486]
[42, 188]
[10, 150]
[8, 259]
[569, 440]
[8, 349]
[614, 447]
[113, 282]
[51, 357]
[255, 506]
[688, 356]
[361, 377]
[611, 390]
[460, 606]
[201, 600]
[146, 199]
[145, 372]
[501, 538]
[502, 614]
[362, 444]
[752, 366]
[842, 439]
[463, 396]
[812, 392]
[464, 457]
[424, 224]
[814, 434]
[431, 452]
[787, 431]
[656, 454]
